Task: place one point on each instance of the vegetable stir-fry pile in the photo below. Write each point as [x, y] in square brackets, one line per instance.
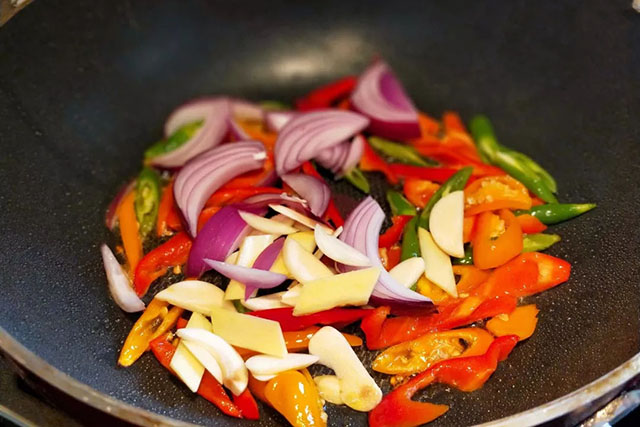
[240, 189]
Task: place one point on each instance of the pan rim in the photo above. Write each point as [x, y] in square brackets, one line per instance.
[611, 381]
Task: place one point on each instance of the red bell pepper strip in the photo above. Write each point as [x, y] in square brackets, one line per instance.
[465, 373]
[394, 253]
[174, 251]
[226, 196]
[247, 405]
[372, 162]
[212, 390]
[255, 178]
[530, 224]
[163, 350]
[325, 96]
[168, 215]
[332, 213]
[432, 174]
[181, 323]
[209, 388]
[381, 332]
[289, 322]
[393, 233]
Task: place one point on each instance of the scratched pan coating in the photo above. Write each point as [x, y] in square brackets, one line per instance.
[84, 88]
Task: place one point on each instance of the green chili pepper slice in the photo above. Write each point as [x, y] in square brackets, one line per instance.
[538, 242]
[554, 213]
[272, 105]
[239, 307]
[147, 200]
[516, 164]
[467, 259]
[358, 180]
[173, 141]
[399, 204]
[410, 245]
[399, 152]
[455, 183]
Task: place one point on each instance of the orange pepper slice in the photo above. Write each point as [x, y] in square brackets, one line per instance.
[419, 191]
[495, 192]
[493, 247]
[521, 322]
[291, 394]
[129, 231]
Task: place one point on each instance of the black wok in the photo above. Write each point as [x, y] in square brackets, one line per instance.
[85, 87]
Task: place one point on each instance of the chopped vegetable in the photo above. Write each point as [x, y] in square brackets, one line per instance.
[156, 319]
[521, 322]
[392, 235]
[538, 242]
[291, 394]
[129, 231]
[495, 192]
[446, 223]
[371, 162]
[554, 213]
[119, 285]
[325, 96]
[195, 296]
[410, 244]
[466, 374]
[250, 332]
[147, 200]
[156, 263]
[357, 389]
[352, 288]
[455, 183]
[399, 152]
[417, 355]
[399, 205]
[437, 263]
[289, 322]
[498, 239]
[510, 161]
[173, 141]
[358, 179]
[419, 191]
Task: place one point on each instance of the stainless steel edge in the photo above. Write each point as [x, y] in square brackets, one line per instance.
[575, 406]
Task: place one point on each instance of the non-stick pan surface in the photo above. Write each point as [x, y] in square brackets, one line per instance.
[85, 87]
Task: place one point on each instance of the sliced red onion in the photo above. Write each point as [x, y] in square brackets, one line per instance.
[266, 199]
[312, 189]
[356, 149]
[276, 120]
[332, 158]
[214, 112]
[119, 285]
[362, 231]
[219, 237]
[243, 109]
[110, 216]
[236, 131]
[306, 135]
[264, 261]
[380, 96]
[252, 278]
[201, 177]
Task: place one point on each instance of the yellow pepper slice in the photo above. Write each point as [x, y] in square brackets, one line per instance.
[417, 355]
[156, 319]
